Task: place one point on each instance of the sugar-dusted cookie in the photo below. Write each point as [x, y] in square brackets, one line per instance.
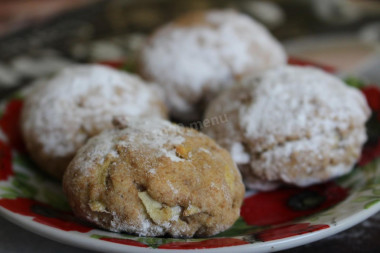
[154, 178]
[60, 114]
[200, 53]
[294, 125]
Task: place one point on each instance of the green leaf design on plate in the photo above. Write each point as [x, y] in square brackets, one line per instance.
[368, 186]
[27, 163]
[354, 82]
[370, 204]
[370, 169]
[9, 190]
[9, 196]
[23, 161]
[364, 198]
[239, 228]
[130, 66]
[17, 95]
[21, 176]
[346, 180]
[305, 200]
[95, 236]
[155, 242]
[56, 200]
[317, 216]
[26, 190]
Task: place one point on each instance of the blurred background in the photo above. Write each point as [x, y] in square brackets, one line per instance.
[37, 37]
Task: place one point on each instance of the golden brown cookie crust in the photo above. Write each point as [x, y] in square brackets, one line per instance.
[184, 186]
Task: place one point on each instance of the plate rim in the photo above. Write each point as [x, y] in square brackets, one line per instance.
[78, 239]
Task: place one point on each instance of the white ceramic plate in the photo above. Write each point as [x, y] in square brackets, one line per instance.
[36, 202]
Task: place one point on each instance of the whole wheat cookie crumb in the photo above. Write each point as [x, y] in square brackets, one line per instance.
[153, 178]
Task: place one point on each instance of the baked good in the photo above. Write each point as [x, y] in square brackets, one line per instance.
[154, 178]
[293, 125]
[60, 114]
[200, 53]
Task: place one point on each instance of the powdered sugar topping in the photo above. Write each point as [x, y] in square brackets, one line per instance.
[297, 125]
[238, 153]
[157, 135]
[208, 55]
[299, 101]
[80, 101]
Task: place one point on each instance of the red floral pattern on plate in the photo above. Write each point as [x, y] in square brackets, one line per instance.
[287, 204]
[301, 62]
[369, 153]
[288, 231]
[124, 241]
[372, 94]
[117, 64]
[5, 161]
[10, 124]
[371, 149]
[206, 244]
[44, 214]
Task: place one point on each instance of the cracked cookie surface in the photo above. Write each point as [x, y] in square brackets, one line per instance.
[293, 125]
[60, 114]
[154, 178]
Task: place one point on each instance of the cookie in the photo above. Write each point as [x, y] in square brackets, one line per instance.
[60, 114]
[154, 178]
[200, 53]
[293, 125]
